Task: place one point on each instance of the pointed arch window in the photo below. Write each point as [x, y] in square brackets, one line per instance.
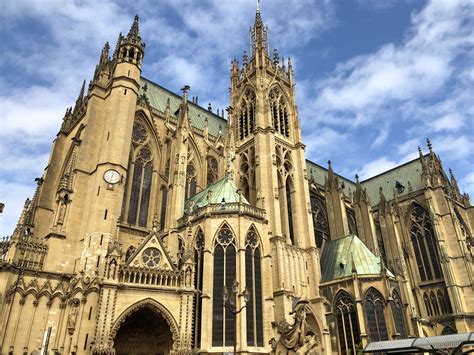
[380, 243]
[253, 281]
[212, 167]
[426, 301]
[140, 176]
[347, 323]
[279, 112]
[224, 275]
[247, 114]
[198, 281]
[289, 206]
[351, 220]
[374, 306]
[320, 219]
[424, 244]
[398, 315]
[434, 304]
[191, 181]
[164, 203]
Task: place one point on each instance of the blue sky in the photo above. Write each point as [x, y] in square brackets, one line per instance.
[374, 77]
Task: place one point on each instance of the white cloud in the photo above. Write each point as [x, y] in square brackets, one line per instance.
[376, 167]
[449, 122]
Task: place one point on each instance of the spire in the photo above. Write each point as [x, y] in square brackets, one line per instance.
[183, 108]
[104, 55]
[430, 146]
[259, 35]
[358, 190]
[454, 184]
[134, 33]
[117, 45]
[80, 98]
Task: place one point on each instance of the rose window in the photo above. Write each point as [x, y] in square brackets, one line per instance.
[151, 257]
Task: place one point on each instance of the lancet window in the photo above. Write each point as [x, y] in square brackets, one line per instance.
[191, 183]
[424, 244]
[224, 275]
[284, 163]
[347, 323]
[426, 301]
[320, 219]
[351, 220]
[374, 306]
[279, 112]
[164, 203]
[247, 174]
[140, 175]
[253, 280]
[212, 167]
[398, 314]
[247, 114]
[198, 281]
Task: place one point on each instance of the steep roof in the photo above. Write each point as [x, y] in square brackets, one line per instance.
[409, 172]
[341, 256]
[159, 96]
[319, 174]
[224, 189]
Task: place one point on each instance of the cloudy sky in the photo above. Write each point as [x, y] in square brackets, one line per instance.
[374, 77]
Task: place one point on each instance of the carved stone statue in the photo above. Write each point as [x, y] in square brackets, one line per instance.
[295, 338]
[71, 319]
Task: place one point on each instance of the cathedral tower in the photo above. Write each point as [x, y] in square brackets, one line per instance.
[270, 166]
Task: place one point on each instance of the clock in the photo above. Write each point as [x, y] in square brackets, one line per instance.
[112, 176]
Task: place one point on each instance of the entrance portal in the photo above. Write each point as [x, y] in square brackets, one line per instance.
[145, 332]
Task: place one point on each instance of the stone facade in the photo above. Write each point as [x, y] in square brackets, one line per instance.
[150, 206]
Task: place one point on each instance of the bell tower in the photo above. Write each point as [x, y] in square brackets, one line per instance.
[269, 163]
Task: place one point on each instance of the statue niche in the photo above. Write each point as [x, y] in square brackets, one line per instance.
[296, 338]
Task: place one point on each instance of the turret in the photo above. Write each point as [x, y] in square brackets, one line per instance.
[132, 48]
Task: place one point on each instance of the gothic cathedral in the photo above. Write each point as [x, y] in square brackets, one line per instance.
[161, 227]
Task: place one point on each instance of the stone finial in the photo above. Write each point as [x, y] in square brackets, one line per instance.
[430, 146]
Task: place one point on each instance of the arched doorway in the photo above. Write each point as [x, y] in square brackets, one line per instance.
[144, 332]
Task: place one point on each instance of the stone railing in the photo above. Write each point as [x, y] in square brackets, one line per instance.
[222, 208]
[141, 276]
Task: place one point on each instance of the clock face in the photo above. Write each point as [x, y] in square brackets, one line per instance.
[112, 176]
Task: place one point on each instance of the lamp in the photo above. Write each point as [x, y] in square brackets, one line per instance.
[230, 303]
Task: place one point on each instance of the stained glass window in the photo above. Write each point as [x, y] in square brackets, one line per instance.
[253, 282]
[427, 303]
[164, 200]
[198, 279]
[398, 314]
[424, 244]
[211, 170]
[224, 275]
[289, 205]
[347, 323]
[191, 182]
[137, 194]
[320, 219]
[374, 306]
[351, 220]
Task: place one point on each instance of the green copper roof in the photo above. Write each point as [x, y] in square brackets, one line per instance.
[341, 256]
[317, 173]
[222, 190]
[159, 96]
[405, 174]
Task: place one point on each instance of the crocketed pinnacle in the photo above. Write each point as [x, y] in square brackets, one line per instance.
[134, 33]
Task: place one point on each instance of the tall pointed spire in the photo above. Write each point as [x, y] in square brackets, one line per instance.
[134, 33]
[183, 120]
[80, 98]
[258, 35]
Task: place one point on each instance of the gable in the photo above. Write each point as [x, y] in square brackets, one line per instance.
[151, 254]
